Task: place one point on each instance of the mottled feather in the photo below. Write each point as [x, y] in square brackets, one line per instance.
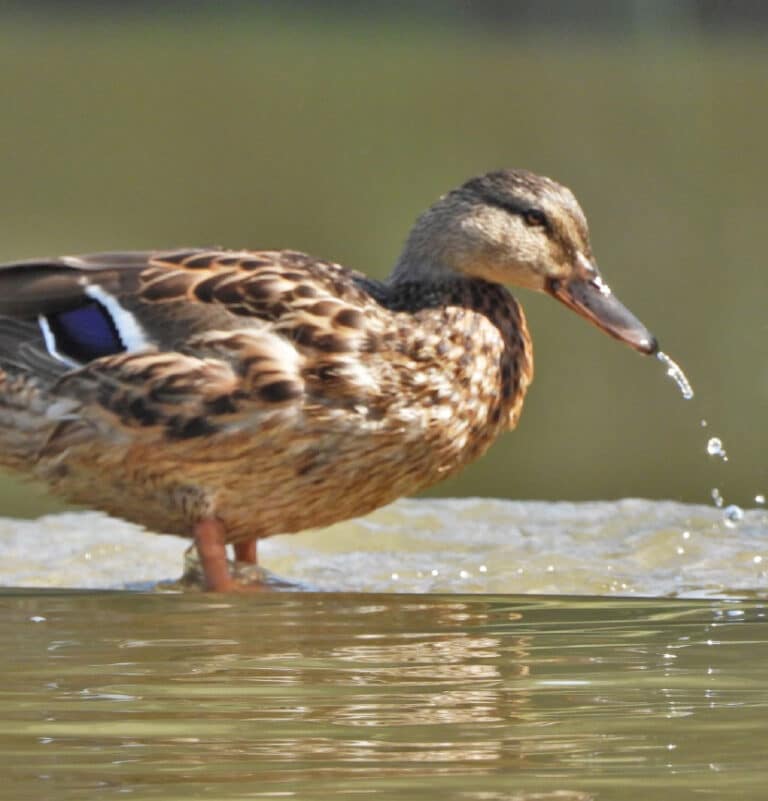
[272, 391]
[247, 349]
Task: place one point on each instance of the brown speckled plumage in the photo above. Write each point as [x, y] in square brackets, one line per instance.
[270, 391]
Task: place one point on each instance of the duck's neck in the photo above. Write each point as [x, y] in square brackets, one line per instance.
[483, 326]
[406, 292]
[423, 267]
[429, 250]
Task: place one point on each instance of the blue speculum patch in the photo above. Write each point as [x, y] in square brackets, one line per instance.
[85, 333]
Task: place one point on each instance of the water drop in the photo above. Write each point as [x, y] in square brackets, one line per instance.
[717, 497]
[760, 499]
[715, 448]
[733, 515]
[675, 372]
[704, 423]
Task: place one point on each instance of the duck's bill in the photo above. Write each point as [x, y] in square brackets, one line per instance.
[591, 298]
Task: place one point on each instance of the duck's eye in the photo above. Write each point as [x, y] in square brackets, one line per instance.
[535, 218]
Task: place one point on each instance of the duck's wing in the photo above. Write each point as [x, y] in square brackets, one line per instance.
[114, 302]
[173, 337]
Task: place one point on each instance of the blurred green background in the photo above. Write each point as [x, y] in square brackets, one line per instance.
[328, 127]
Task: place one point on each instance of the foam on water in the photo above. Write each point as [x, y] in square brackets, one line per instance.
[626, 547]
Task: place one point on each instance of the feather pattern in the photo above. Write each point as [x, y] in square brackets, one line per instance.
[272, 391]
[281, 365]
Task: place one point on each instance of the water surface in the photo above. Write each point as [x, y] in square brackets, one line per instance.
[440, 681]
[627, 547]
[318, 696]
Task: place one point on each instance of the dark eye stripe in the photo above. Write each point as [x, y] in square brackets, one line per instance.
[511, 206]
[531, 215]
[85, 333]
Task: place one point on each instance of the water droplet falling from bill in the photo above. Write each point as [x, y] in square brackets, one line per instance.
[675, 372]
[715, 448]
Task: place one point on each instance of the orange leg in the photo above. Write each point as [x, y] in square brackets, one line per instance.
[245, 551]
[211, 541]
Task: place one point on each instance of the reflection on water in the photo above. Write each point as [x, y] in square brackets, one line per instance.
[437, 545]
[449, 695]
[315, 695]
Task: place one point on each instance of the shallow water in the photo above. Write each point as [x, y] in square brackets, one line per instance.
[464, 691]
[435, 545]
[319, 695]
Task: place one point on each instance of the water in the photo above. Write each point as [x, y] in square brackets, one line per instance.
[715, 448]
[440, 681]
[468, 545]
[732, 514]
[675, 372]
[318, 696]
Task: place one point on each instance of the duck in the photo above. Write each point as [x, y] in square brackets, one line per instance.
[227, 396]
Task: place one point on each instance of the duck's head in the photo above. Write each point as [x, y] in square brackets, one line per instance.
[515, 227]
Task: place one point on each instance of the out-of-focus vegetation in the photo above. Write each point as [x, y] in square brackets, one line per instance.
[313, 127]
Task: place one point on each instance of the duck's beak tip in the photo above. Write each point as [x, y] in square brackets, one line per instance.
[591, 298]
[650, 346]
[639, 339]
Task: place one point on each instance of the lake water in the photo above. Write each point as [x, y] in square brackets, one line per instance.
[454, 687]
[316, 696]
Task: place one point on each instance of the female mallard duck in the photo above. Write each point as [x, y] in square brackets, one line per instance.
[231, 395]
